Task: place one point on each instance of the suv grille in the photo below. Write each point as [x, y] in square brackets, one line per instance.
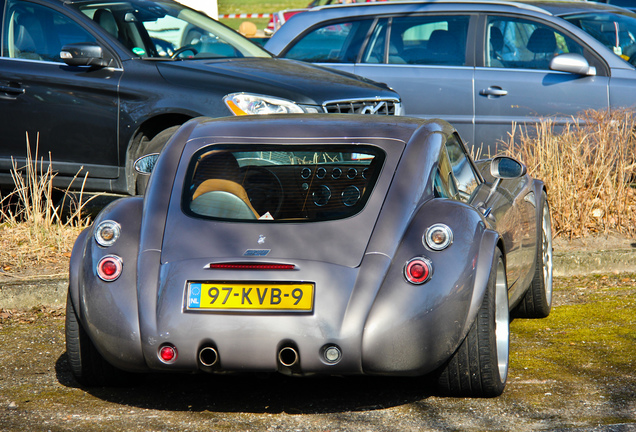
[373, 106]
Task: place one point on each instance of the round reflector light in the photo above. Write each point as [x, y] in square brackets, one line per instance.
[167, 353]
[107, 233]
[438, 237]
[109, 268]
[332, 354]
[418, 270]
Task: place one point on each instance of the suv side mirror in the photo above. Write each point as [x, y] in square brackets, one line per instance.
[83, 54]
[572, 63]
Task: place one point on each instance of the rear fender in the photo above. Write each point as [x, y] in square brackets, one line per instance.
[75, 266]
[108, 311]
[412, 329]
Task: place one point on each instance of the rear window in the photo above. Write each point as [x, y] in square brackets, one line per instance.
[274, 183]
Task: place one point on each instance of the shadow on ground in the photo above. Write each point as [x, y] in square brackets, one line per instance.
[255, 393]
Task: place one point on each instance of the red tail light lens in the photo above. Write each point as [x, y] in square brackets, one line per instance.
[418, 270]
[109, 268]
[168, 353]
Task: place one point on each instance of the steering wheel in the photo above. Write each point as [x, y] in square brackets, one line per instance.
[184, 49]
[264, 189]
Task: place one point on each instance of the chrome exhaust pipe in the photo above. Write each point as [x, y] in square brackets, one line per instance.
[288, 356]
[208, 356]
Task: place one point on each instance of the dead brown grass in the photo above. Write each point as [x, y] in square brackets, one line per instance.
[35, 238]
[588, 169]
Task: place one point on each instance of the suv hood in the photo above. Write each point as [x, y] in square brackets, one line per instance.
[297, 81]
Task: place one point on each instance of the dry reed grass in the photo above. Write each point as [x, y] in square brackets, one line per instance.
[588, 169]
[35, 238]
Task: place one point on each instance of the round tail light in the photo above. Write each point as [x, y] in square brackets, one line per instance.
[167, 353]
[107, 233]
[418, 270]
[438, 237]
[109, 268]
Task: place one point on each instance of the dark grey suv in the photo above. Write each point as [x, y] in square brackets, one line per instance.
[104, 82]
[479, 65]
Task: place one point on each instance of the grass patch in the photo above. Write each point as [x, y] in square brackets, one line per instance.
[586, 344]
[253, 6]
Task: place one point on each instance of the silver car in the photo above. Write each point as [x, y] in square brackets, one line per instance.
[313, 244]
[479, 65]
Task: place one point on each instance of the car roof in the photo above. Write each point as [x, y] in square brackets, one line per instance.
[553, 7]
[538, 9]
[301, 126]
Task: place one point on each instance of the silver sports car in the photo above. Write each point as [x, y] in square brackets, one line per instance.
[313, 244]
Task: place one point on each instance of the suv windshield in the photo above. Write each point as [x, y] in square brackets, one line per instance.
[273, 183]
[168, 30]
[617, 31]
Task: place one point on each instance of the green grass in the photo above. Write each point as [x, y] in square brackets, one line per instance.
[587, 345]
[253, 6]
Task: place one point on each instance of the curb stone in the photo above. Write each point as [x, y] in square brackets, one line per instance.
[585, 263]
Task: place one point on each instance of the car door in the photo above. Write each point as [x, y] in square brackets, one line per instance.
[427, 59]
[69, 112]
[516, 85]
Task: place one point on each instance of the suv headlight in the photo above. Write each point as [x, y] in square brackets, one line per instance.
[248, 103]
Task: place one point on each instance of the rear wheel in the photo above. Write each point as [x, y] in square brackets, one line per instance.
[155, 145]
[87, 365]
[537, 302]
[479, 367]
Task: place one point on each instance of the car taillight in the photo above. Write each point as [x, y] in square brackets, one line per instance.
[168, 353]
[107, 233]
[109, 268]
[250, 266]
[418, 270]
[438, 237]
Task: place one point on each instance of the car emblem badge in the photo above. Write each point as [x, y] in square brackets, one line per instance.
[256, 252]
[261, 239]
[373, 109]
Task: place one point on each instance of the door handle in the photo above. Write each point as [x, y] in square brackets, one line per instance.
[12, 90]
[493, 91]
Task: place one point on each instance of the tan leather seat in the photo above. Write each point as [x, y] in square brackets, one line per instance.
[222, 198]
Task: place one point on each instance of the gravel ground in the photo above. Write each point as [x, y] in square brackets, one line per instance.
[37, 392]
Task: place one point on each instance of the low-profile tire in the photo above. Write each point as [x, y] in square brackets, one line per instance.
[155, 145]
[479, 367]
[537, 302]
[87, 365]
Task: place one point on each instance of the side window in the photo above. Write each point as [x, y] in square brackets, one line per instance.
[374, 52]
[522, 44]
[336, 42]
[38, 33]
[428, 40]
[444, 183]
[465, 177]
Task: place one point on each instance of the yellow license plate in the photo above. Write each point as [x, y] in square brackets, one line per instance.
[231, 296]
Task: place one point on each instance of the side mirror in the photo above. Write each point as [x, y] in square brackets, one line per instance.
[83, 54]
[503, 167]
[145, 164]
[572, 63]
